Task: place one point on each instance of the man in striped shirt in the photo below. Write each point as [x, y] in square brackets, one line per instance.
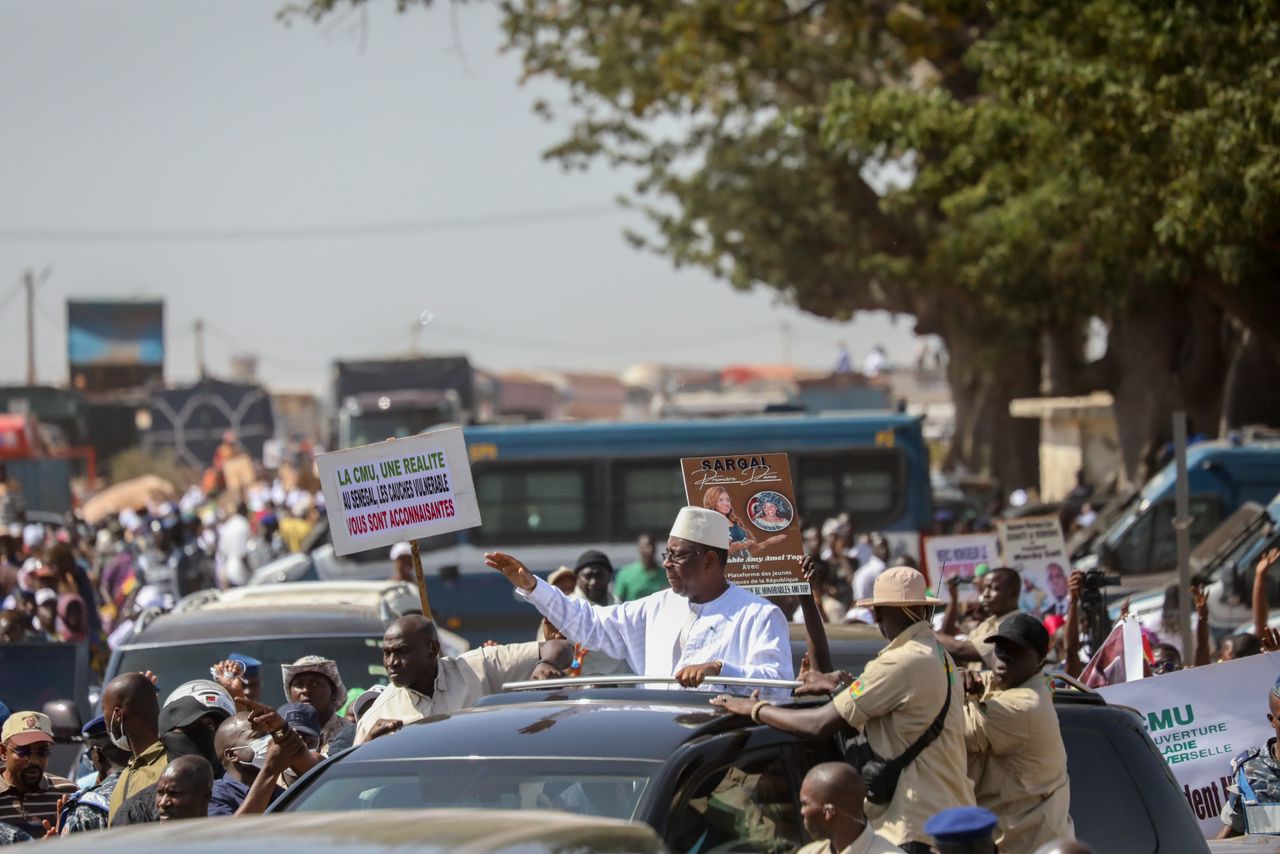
[28, 794]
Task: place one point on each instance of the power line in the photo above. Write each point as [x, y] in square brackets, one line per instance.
[301, 232]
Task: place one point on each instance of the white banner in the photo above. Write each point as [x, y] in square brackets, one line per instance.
[959, 555]
[1200, 719]
[401, 489]
[1033, 545]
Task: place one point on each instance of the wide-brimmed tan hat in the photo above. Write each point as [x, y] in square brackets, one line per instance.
[898, 587]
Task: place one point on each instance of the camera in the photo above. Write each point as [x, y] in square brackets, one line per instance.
[1093, 606]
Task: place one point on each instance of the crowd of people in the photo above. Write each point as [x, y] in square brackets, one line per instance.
[77, 583]
[954, 734]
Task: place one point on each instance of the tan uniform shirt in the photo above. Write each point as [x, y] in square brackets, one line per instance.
[1018, 764]
[143, 770]
[868, 842]
[460, 683]
[895, 700]
[978, 637]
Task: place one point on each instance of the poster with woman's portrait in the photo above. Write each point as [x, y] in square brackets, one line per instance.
[755, 494]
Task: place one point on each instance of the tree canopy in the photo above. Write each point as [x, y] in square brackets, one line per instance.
[1112, 158]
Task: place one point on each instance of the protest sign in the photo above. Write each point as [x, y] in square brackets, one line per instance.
[402, 489]
[959, 555]
[1200, 719]
[754, 491]
[1034, 547]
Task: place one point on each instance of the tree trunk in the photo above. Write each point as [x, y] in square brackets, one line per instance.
[987, 438]
[1164, 352]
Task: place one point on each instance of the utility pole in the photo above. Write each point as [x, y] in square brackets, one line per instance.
[29, 284]
[1182, 526]
[198, 328]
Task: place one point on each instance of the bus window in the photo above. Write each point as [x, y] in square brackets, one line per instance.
[866, 484]
[647, 497]
[534, 503]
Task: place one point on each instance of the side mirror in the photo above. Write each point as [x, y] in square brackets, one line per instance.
[65, 719]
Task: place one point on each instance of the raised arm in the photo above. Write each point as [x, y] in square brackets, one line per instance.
[598, 627]
[1073, 666]
[1261, 607]
[951, 616]
[1203, 641]
[814, 618]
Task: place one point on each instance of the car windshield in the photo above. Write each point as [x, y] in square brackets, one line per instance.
[359, 660]
[605, 788]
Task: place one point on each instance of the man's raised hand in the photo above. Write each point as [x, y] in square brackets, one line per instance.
[515, 571]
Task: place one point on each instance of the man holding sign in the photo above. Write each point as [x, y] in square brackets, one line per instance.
[702, 627]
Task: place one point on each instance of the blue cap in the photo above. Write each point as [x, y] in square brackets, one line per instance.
[961, 824]
[95, 728]
[4, 713]
[301, 717]
[252, 667]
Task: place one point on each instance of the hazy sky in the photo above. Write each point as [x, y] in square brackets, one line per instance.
[153, 115]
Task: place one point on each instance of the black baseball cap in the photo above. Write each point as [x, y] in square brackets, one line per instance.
[1024, 630]
[593, 557]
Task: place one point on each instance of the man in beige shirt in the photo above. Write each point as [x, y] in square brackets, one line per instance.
[831, 799]
[425, 683]
[999, 599]
[898, 696]
[1016, 758]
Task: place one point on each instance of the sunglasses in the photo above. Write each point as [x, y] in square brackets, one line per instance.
[40, 751]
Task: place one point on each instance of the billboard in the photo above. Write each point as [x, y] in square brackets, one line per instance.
[114, 344]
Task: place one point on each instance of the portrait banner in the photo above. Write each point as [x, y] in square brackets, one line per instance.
[755, 494]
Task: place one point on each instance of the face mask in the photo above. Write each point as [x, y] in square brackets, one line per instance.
[259, 747]
[119, 740]
[198, 742]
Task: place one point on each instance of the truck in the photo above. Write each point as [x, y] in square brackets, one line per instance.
[1222, 475]
[377, 399]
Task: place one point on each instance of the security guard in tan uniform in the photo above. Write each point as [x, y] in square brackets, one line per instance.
[1016, 758]
[908, 699]
[999, 600]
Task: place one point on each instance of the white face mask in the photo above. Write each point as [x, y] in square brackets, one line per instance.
[121, 741]
[259, 747]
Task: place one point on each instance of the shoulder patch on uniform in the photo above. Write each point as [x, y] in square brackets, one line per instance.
[1243, 757]
[855, 688]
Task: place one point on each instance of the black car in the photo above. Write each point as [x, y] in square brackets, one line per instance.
[703, 780]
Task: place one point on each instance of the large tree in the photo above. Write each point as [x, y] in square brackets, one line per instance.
[1105, 158]
[1119, 160]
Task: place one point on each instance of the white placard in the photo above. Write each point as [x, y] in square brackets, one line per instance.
[959, 555]
[1202, 718]
[1034, 546]
[401, 489]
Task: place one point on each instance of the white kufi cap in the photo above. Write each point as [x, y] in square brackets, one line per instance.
[706, 527]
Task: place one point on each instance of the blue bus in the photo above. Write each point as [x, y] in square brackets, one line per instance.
[549, 491]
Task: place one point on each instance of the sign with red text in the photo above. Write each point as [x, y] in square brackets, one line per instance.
[960, 555]
[398, 490]
[754, 493]
[1200, 719]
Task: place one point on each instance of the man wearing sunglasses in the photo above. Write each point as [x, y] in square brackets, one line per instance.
[28, 794]
[702, 627]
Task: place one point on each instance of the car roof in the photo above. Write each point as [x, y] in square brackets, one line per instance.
[477, 831]
[369, 594]
[240, 623]
[639, 726]
[586, 722]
